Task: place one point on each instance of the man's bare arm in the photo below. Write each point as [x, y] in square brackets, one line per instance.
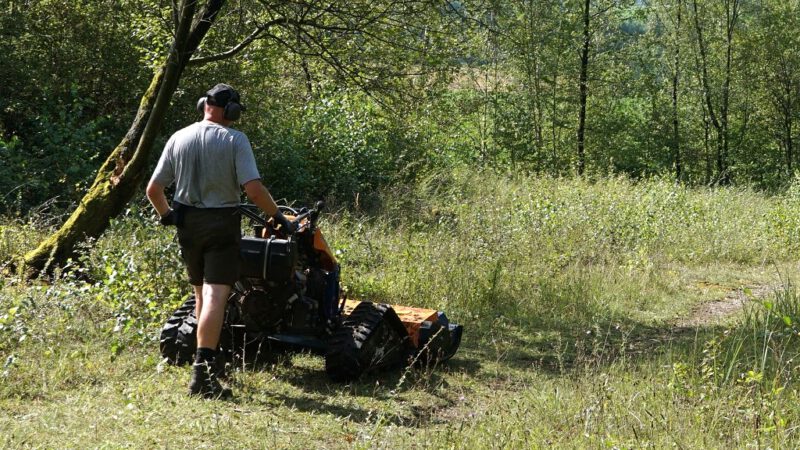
[155, 193]
[260, 196]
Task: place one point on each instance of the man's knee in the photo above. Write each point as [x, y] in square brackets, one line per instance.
[216, 294]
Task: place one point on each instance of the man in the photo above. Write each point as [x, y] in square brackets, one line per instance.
[210, 163]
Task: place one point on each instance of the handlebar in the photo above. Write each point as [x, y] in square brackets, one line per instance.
[254, 213]
[248, 210]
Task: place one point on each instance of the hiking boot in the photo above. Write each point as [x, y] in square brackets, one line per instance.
[220, 367]
[204, 383]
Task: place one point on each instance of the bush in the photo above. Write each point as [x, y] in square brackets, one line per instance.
[57, 158]
[339, 146]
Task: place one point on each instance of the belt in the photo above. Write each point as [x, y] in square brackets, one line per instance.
[186, 208]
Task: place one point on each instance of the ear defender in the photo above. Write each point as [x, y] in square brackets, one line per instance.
[220, 95]
[233, 110]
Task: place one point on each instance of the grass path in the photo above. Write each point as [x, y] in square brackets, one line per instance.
[717, 310]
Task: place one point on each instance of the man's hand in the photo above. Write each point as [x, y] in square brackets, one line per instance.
[170, 218]
[286, 225]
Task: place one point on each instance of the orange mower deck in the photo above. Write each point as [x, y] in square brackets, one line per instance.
[414, 319]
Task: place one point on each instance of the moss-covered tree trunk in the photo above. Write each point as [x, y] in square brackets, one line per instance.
[121, 175]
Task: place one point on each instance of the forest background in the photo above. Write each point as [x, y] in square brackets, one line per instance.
[702, 92]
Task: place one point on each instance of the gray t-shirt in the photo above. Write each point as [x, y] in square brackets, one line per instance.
[208, 163]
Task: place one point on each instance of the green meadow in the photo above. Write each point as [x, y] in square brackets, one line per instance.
[597, 314]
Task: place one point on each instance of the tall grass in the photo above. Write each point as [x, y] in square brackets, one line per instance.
[569, 290]
[537, 246]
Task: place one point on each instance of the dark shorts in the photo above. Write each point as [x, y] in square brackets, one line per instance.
[209, 241]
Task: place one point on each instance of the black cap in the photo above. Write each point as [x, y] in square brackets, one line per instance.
[221, 94]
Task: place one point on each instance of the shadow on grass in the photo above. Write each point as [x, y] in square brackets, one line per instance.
[493, 348]
[560, 348]
[389, 397]
[380, 384]
[495, 351]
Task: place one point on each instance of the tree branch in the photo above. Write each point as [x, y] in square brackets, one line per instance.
[233, 51]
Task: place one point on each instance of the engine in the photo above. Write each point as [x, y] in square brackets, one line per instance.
[288, 285]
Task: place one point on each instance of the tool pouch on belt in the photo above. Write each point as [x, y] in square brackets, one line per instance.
[180, 212]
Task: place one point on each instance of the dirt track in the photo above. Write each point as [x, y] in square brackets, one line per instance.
[714, 311]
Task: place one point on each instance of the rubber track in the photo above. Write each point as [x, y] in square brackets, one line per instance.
[348, 356]
[179, 335]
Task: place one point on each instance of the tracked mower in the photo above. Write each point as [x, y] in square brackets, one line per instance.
[289, 298]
